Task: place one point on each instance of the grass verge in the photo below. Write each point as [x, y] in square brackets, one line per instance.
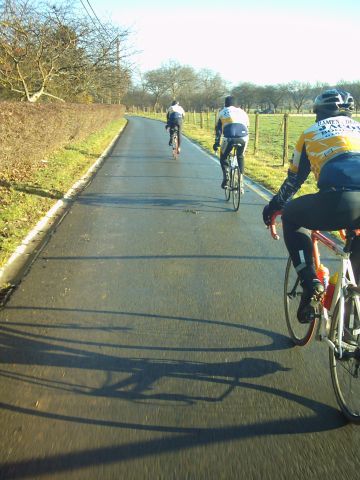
[23, 203]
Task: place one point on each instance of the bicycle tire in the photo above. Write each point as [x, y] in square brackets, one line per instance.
[345, 372]
[235, 188]
[227, 189]
[300, 333]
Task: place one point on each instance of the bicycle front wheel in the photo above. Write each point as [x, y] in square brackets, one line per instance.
[345, 370]
[235, 188]
[300, 333]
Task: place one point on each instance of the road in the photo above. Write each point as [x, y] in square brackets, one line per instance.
[148, 339]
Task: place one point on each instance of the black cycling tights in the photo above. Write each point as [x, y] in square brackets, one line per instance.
[327, 211]
[239, 155]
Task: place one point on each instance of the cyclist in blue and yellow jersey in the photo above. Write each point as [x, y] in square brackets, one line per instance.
[233, 124]
[174, 118]
[331, 149]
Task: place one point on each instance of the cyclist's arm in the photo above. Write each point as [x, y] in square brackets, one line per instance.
[218, 130]
[297, 174]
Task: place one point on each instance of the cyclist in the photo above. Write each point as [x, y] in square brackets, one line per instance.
[233, 124]
[174, 118]
[331, 149]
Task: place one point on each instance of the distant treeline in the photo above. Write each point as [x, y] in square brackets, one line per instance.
[205, 90]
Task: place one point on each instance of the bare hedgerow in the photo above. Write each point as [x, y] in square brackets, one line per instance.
[30, 132]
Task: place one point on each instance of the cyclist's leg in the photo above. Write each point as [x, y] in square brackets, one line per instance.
[321, 211]
[240, 151]
[171, 132]
[241, 160]
[179, 129]
[225, 149]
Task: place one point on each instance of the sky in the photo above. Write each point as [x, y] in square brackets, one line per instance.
[259, 41]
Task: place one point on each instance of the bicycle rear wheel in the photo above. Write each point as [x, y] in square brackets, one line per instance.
[345, 371]
[227, 189]
[235, 188]
[300, 334]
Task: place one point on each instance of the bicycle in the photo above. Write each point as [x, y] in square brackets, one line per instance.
[235, 185]
[337, 319]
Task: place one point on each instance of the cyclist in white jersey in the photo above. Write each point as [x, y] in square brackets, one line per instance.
[233, 124]
[331, 149]
[174, 117]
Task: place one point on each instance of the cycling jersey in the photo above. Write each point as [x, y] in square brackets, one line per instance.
[232, 122]
[331, 149]
[175, 113]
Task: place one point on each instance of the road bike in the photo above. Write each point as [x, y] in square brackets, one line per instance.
[235, 183]
[337, 318]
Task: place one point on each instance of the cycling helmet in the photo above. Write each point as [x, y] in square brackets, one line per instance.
[334, 102]
[174, 102]
[229, 101]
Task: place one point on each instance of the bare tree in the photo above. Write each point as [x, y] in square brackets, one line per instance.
[49, 51]
[246, 94]
[156, 82]
[212, 88]
[299, 93]
[179, 78]
[274, 95]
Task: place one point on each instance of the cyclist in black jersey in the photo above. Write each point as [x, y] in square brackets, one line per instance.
[331, 149]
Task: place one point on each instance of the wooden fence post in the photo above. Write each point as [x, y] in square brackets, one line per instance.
[286, 138]
[256, 140]
[201, 119]
[194, 117]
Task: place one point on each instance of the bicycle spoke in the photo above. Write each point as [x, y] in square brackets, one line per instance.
[235, 188]
[345, 370]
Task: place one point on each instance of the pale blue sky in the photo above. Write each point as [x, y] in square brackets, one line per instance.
[264, 42]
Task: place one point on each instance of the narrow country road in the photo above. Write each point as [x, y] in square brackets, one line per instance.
[148, 340]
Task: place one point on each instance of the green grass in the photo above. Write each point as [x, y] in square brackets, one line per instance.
[24, 203]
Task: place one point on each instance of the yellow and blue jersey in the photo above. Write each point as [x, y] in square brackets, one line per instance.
[331, 150]
[325, 140]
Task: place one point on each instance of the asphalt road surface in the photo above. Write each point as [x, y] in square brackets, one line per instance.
[148, 339]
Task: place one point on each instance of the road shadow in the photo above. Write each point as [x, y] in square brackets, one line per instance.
[145, 201]
[31, 189]
[142, 380]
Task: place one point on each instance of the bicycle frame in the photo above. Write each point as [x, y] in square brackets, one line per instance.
[233, 158]
[345, 285]
[346, 280]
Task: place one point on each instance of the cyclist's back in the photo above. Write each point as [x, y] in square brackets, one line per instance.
[233, 124]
